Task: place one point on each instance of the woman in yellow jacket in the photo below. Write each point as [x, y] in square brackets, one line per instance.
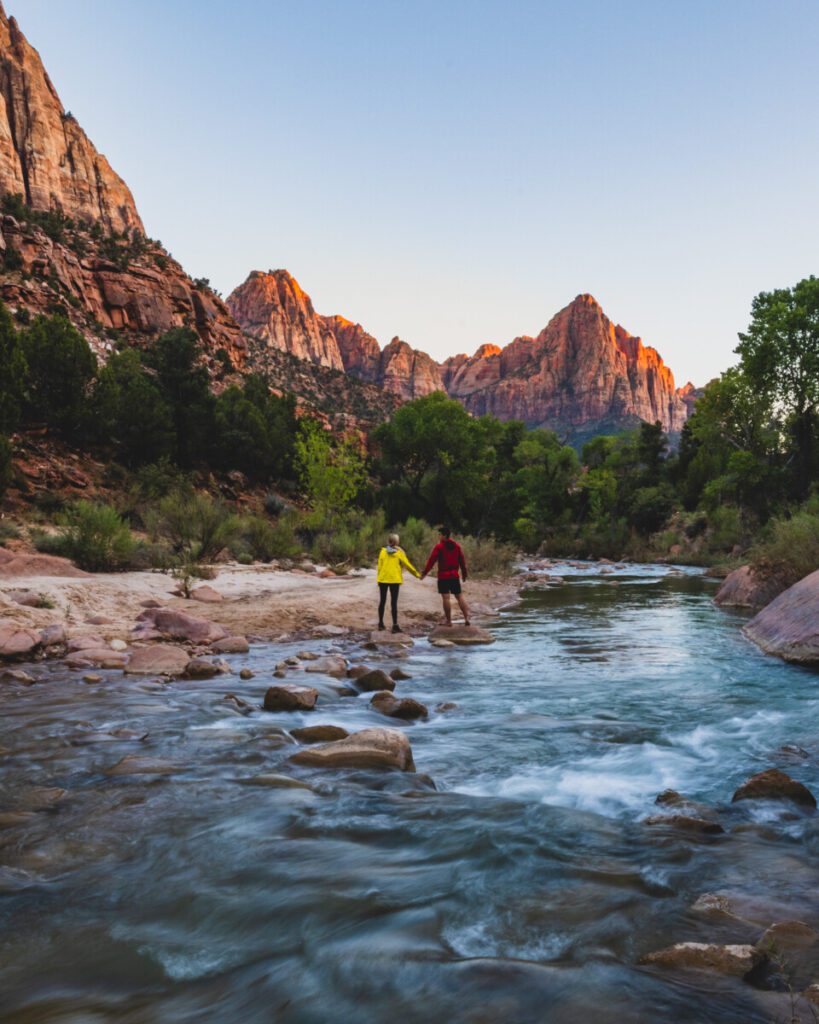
[390, 577]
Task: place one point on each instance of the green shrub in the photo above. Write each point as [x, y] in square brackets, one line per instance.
[350, 540]
[790, 550]
[95, 537]
[486, 556]
[5, 464]
[264, 540]
[196, 527]
[244, 558]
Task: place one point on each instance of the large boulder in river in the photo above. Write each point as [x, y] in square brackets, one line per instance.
[369, 748]
[180, 626]
[17, 641]
[746, 588]
[159, 660]
[288, 697]
[789, 625]
[375, 679]
[407, 708]
[461, 635]
[734, 960]
[773, 784]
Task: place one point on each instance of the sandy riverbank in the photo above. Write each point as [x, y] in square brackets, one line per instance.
[257, 601]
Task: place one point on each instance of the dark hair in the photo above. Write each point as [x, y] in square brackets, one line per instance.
[444, 531]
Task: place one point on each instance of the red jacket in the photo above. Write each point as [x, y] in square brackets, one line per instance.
[450, 557]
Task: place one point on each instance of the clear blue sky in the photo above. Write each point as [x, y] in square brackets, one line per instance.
[456, 172]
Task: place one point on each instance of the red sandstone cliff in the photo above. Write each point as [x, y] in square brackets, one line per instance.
[580, 371]
[93, 263]
[273, 309]
[44, 154]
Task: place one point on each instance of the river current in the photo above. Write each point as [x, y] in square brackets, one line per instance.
[524, 887]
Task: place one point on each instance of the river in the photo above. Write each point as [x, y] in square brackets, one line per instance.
[524, 887]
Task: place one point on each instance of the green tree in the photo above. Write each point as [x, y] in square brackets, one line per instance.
[241, 435]
[780, 358]
[12, 373]
[129, 410]
[61, 367]
[5, 464]
[184, 382]
[331, 475]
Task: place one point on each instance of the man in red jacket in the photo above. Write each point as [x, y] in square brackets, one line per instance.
[449, 557]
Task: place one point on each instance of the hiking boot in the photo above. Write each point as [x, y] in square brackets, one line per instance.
[381, 625]
[396, 628]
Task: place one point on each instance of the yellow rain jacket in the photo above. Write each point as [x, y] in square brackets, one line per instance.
[390, 561]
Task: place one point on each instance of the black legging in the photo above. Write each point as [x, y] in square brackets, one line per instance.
[382, 604]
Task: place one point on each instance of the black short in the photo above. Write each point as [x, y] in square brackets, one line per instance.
[449, 587]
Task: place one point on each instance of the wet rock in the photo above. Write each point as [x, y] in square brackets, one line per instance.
[383, 638]
[446, 705]
[791, 750]
[53, 636]
[206, 594]
[241, 705]
[18, 641]
[331, 665]
[280, 673]
[356, 671]
[686, 823]
[308, 656]
[669, 798]
[271, 780]
[246, 673]
[346, 691]
[95, 658]
[159, 660]
[369, 748]
[91, 678]
[744, 588]
[288, 697]
[462, 635]
[773, 784]
[789, 626]
[405, 708]
[42, 798]
[376, 679]
[222, 667]
[788, 937]
[8, 819]
[201, 668]
[736, 960]
[180, 626]
[231, 645]
[319, 734]
[442, 643]
[398, 674]
[12, 675]
[133, 764]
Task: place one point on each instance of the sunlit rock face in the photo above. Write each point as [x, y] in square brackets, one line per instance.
[580, 370]
[45, 156]
[272, 308]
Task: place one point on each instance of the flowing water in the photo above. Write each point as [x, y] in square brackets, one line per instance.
[524, 887]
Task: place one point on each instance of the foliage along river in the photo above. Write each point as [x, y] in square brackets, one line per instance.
[524, 888]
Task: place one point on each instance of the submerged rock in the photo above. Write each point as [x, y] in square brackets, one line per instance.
[355, 671]
[369, 748]
[406, 708]
[246, 673]
[288, 697]
[462, 635]
[788, 937]
[331, 665]
[789, 626]
[398, 674]
[159, 660]
[133, 764]
[319, 734]
[774, 784]
[734, 960]
[201, 668]
[376, 679]
[686, 823]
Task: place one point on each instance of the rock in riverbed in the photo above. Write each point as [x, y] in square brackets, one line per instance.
[686, 823]
[17, 641]
[179, 626]
[789, 626]
[319, 734]
[735, 960]
[331, 665]
[773, 784]
[406, 708]
[376, 679]
[382, 638]
[743, 588]
[288, 697]
[231, 645]
[398, 674]
[463, 636]
[369, 748]
[159, 660]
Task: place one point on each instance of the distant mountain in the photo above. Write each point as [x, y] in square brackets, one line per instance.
[582, 374]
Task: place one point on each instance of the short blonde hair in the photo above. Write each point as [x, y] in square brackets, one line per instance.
[393, 539]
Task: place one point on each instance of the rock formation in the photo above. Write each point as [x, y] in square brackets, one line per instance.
[71, 239]
[582, 372]
[45, 156]
[272, 308]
